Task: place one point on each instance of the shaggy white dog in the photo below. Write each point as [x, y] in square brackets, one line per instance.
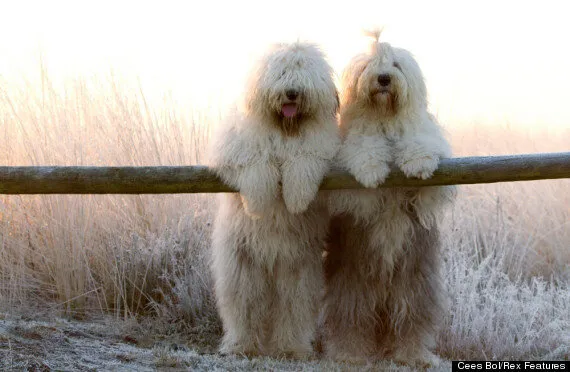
[268, 239]
[382, 287]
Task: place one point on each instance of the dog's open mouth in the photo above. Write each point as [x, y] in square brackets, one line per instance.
[289, 110]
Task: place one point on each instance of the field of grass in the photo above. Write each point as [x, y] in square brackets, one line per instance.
[134, 270]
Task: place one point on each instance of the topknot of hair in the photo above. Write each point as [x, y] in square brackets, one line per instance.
[374, 36]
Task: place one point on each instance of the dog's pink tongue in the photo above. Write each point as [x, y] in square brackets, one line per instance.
[289, 110]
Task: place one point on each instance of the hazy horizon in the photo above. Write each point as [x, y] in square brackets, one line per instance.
[485, 62]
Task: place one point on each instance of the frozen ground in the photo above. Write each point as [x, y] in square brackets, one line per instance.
[106, 345]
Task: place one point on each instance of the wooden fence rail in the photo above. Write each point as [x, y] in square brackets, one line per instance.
[200, 179]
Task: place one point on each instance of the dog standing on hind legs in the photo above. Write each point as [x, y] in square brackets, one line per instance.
[383, 296]
[267, 241]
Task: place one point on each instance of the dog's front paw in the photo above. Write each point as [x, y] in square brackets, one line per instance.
[421, 167]
[257, 201]
[297, 205]
[301, 179]
[297, 198]
[252, 209]
[372, 176]
[258, 187]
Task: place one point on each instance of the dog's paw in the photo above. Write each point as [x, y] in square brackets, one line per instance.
[253, 207]
[298, 198]
[422, 167]
[420, 359]
[248, 350]
[258, 187]
[296, 206]
[372, 176]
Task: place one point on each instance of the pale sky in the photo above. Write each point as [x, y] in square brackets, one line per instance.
[484, 61]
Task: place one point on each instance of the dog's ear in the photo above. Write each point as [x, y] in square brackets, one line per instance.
[350, 77]
[411, 70]
[337, 106]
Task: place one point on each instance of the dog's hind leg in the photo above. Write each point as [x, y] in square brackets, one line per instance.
[414, 302]
[298, 291]
[243, 295]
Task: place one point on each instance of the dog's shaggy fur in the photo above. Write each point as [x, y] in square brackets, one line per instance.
[268, 239]
[382, 288]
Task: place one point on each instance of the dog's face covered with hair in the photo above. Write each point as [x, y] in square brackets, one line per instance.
[291, 84]
[386, 80]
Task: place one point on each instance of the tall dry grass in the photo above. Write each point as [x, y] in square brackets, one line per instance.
[80, 254]
[506, 254]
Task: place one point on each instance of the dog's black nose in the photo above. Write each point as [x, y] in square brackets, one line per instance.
[291, 94]
[384, 80]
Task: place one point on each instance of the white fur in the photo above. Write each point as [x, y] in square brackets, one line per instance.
[374, 301]
[268, 239]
